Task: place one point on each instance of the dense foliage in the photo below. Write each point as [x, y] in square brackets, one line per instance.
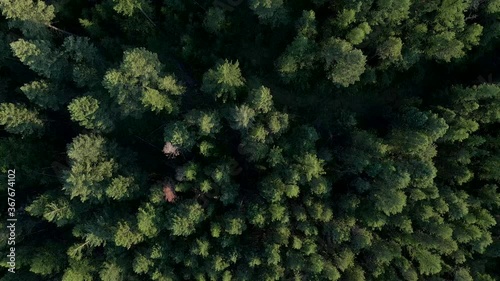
[252, 140]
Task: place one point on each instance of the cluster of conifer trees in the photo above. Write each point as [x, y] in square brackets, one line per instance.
[277, 140]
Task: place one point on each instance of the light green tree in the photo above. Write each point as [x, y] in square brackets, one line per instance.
[18, 119]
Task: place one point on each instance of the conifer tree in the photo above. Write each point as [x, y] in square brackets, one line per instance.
[223, 81]
[343, 63]
[138, 83]
[43, 94]
[40, 56]
[31, 17]
[18, 119]
[87, 111]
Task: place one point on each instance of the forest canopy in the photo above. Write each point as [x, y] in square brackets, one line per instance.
[263, 140]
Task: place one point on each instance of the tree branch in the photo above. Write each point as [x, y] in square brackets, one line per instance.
[60, 30]
[149, 19]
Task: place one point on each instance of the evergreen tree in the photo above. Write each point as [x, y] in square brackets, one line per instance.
[31, 17]
[18, 119]
[343, 63]
[138, 83]
[87, 111]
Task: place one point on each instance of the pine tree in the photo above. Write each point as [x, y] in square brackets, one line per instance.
[31, 17]
[215, 20]
[87, 111]
[18, 119]
[343, 63]
[138, 84]
[79, 271]
[272, 12]
[300, 55]
[95, 168]
[127, 235]
[223, 81]
[185, 219]
[128, 7]
[88, 64]
[43, 94]
[52, 208]
[41, 57]
[48, 260]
